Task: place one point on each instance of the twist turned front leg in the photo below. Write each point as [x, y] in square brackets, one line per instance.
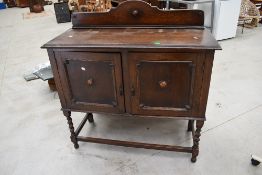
[73, 138]
[196, 139]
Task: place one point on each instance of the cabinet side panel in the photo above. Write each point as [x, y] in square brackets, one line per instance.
[57, 77]
[207, 71]
[197, 91]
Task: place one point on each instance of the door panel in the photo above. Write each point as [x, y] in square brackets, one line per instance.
[88, 80]
[94, 81]
[163, 83]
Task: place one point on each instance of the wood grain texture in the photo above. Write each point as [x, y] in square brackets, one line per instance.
[207, 71]
[73, 137]
[182, 71]
[135, 60]
[138, 13]
[57, 78]
[135, 144]
[104, 69]
[135, 38]
[196, 139]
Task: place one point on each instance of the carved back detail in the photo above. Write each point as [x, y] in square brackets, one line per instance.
[138, 14]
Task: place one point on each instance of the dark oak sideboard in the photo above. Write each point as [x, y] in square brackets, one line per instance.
[135, 60]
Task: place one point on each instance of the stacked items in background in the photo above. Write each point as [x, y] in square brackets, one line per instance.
[10, 3]
[36, 6]
[22, 3]
[90, 5]
[64, 9]
[249, 14]
[2, 5]
[258, 4]
[106, 5]
[28, 3]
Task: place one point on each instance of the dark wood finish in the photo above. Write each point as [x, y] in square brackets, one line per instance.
[207, 71]
[73, 136]
[90, 118]
[52, 85]
[22, 3]
[196, 139]
[135, 144]
[102, 70]
[81, 125]
[10, 3]
[159, 69]
[56, 77]
[140, 39]
[190, 125]
[36, 6]
[138, 13]
[178, 70]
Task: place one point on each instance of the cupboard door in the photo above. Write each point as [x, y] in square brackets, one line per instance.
[92, 81]
[163, 83]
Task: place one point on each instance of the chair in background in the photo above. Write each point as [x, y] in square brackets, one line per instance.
[258, 3]
[249, 15]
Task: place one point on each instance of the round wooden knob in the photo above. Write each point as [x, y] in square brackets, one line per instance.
[162, 84]
[135, 12]
[90, 82]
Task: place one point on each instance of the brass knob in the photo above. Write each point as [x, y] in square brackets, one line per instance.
[90, 82]
[135, 12]
[162, 84]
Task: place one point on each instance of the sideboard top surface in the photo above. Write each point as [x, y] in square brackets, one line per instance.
[135, 38]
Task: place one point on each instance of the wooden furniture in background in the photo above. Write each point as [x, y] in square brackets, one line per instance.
[22, 3]
[36, 6]
[51, 83]
[95, 5]
[10, 3]
[153, 63]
